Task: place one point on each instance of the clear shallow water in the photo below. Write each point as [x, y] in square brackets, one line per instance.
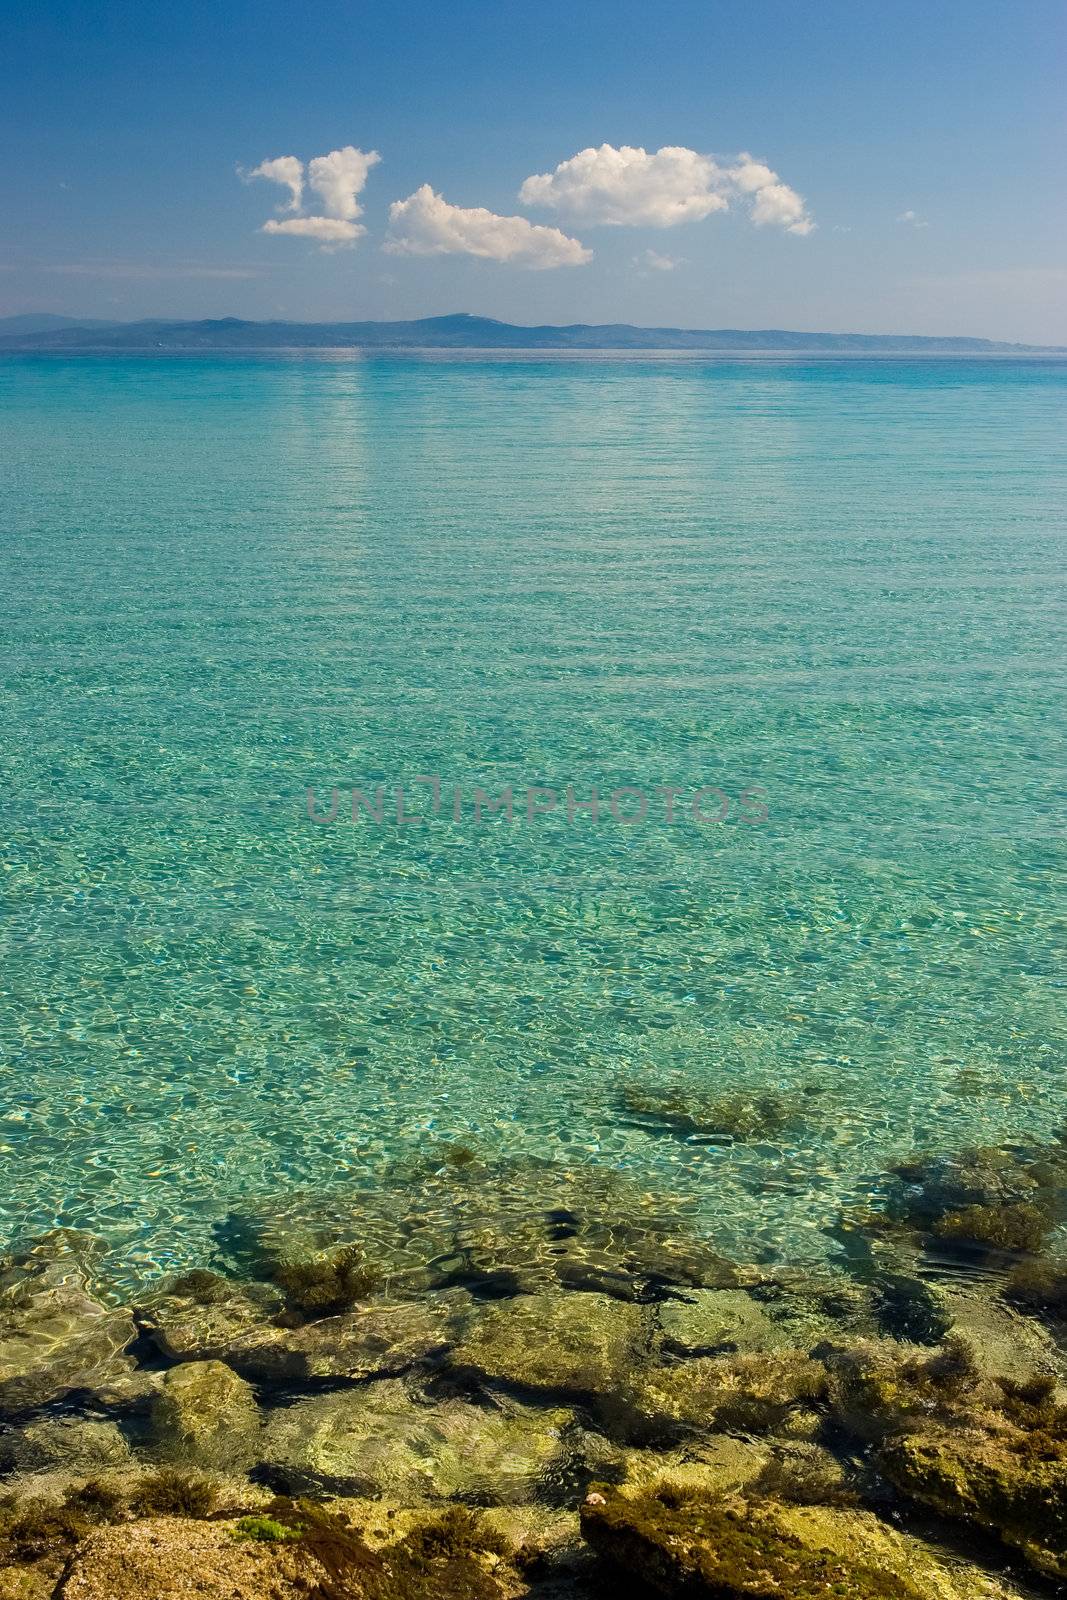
[225, 579]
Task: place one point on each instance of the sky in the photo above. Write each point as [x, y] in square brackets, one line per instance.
[844, 165]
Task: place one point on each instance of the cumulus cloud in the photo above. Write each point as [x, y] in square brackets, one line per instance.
[629, 186]
[287, 171]
[426, 225]
[778, 204]
[336, 178]
[339, 177]
[327, 231]
[913, 219]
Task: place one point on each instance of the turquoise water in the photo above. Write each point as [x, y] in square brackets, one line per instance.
[227, 579]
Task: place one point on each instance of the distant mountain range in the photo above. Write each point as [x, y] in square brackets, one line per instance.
[459, 332]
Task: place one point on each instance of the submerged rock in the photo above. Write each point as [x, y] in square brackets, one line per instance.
[984, 1178]
[809, 1308]
[989, 1451]
[198, 1316]
[716, 1321]
[718, 1464]
[326, 1282]
[381, 1439]
[863, 1539]
[1040, 1286]
[1004, 1343]
[205, 1415]
[876, 1388]
[202, 1316]
[63, 1444]
[991, 1199]
[55, 1335]
[373, 1342]
[570, 1345]
[493, 1228]
[682, 1107]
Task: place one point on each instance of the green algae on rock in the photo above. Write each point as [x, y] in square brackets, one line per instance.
[268, 1530]
[745, 1393]
[712, 1548]
[981, 1480]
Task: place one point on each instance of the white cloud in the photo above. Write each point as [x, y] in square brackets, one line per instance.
[339, 177]
[629, 186]
[426, 225]
[913, 218]
[653, 261]
[336, 178]
[777, 203]
[329, 232]
[287, 171]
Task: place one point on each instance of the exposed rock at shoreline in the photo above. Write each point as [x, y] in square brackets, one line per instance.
[296, 1551]
[982, 1481]
[159, 1557]
[703, 1546]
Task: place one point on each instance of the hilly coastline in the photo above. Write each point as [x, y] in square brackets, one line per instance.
[461, 331]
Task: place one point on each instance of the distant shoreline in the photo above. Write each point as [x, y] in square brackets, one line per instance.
[462, 333]
[531, 354]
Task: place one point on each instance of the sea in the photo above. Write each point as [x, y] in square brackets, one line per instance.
[429, 758]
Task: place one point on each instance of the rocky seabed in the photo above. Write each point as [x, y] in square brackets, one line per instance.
[502, 1381]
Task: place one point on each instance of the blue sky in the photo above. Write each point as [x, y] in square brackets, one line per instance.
[923, 142]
